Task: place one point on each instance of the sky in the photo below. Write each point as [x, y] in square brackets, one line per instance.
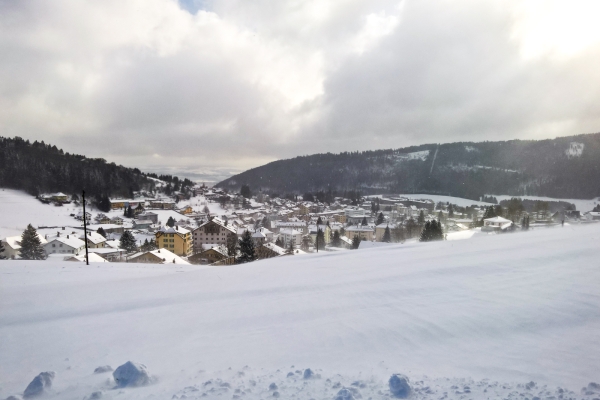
[207, 88]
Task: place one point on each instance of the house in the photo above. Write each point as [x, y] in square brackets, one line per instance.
[269, 250]
[139, 209]
[12, 246]
[56, 197]
[116, 204]
[69, 244]
[592, 216]
[162, 204]
[363, 231]
[117, 221]
[79, 216]
[158, 256]
[95, 240]
[112, 254]
[259, 238]
[380, 230]
[177, 240]
[141, 223]
[186, 210]
[213, 231]
[149, 216]
[495, 224]
[288, 235]
[102, 219]
[312, 231]
[92, 257]
[209, 256]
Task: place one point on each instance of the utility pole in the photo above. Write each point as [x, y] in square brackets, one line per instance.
[317, 238]
[87, 260]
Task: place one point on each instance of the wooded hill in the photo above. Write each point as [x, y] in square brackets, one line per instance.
[42, 168]
[565, 167]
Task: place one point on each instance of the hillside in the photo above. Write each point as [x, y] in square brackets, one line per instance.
[491, 314]
[42, 168]
[565, 167]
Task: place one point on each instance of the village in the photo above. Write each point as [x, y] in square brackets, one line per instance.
[209, 226]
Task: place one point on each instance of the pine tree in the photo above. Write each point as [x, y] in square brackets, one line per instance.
[335, 240]
[356, 242]
[171, 222]
[247, 251]
[386, 235]
[290, 250]
[421, 219]
[101, 231]
[364, 221]
[320, 239]
[127, 242]
[2, 256]
[306, 242]
[232, 244]
[319, 221]
[279, 242]
[380, 219]
[432, 231]
[31, 245]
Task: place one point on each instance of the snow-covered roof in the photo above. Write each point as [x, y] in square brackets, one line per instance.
[93, 258]
[290, 231]
[95, 237]
[176, 229]
[164, 254]
[69, 240]
[15, 241]
[358, 228]
[272, 246]
[498, 220]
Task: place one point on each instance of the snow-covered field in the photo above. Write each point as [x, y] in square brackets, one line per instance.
[478, 318]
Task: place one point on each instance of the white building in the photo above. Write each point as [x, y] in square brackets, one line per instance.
[288, 234]
[69, 244]
[495, 224]
[12, 246]
[211, 232]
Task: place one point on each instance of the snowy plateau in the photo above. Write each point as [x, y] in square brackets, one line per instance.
[513, 316]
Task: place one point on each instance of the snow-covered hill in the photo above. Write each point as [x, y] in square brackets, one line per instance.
[475, 318]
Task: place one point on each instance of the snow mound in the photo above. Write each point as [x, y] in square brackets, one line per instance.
[95, 396]
[399, 386]
[14, 398]
[348, 394]
[39, 385]
[132, 375]
[102, 369]
[273, 386]
[575, 150]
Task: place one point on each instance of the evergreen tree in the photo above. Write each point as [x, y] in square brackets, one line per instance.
[386, 235]
[291, 249]
[451, 211]
[356, 242]
[421, 219]
[380, 219]
[320, 239]
[171, 222]
[245, 191]
[101, 231]
[342, 231]
[31, 245]
[247, 251]
[432, 231]
[206, 210]
[490, 212]
[399, 234]
[319, 221]
[364, 221]
[279, 242]
[411, 228]
[335, 240]
[127, 242]
[2, 256]
[232, 244]
[306, 242]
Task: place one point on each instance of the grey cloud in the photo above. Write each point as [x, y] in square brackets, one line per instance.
[163, 85]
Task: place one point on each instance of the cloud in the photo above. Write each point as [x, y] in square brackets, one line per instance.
[192, 85]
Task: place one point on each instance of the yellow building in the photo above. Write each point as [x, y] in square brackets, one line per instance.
[177, 240]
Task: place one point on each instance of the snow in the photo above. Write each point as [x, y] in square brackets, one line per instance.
[575, 149]
[417, 155]
[490, 313]
[459, 201]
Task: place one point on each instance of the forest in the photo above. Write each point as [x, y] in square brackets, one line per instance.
[463, 169]
[42, 168]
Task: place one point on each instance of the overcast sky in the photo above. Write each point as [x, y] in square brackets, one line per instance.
[213, 87]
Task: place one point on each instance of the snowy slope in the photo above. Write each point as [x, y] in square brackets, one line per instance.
[509, 308]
